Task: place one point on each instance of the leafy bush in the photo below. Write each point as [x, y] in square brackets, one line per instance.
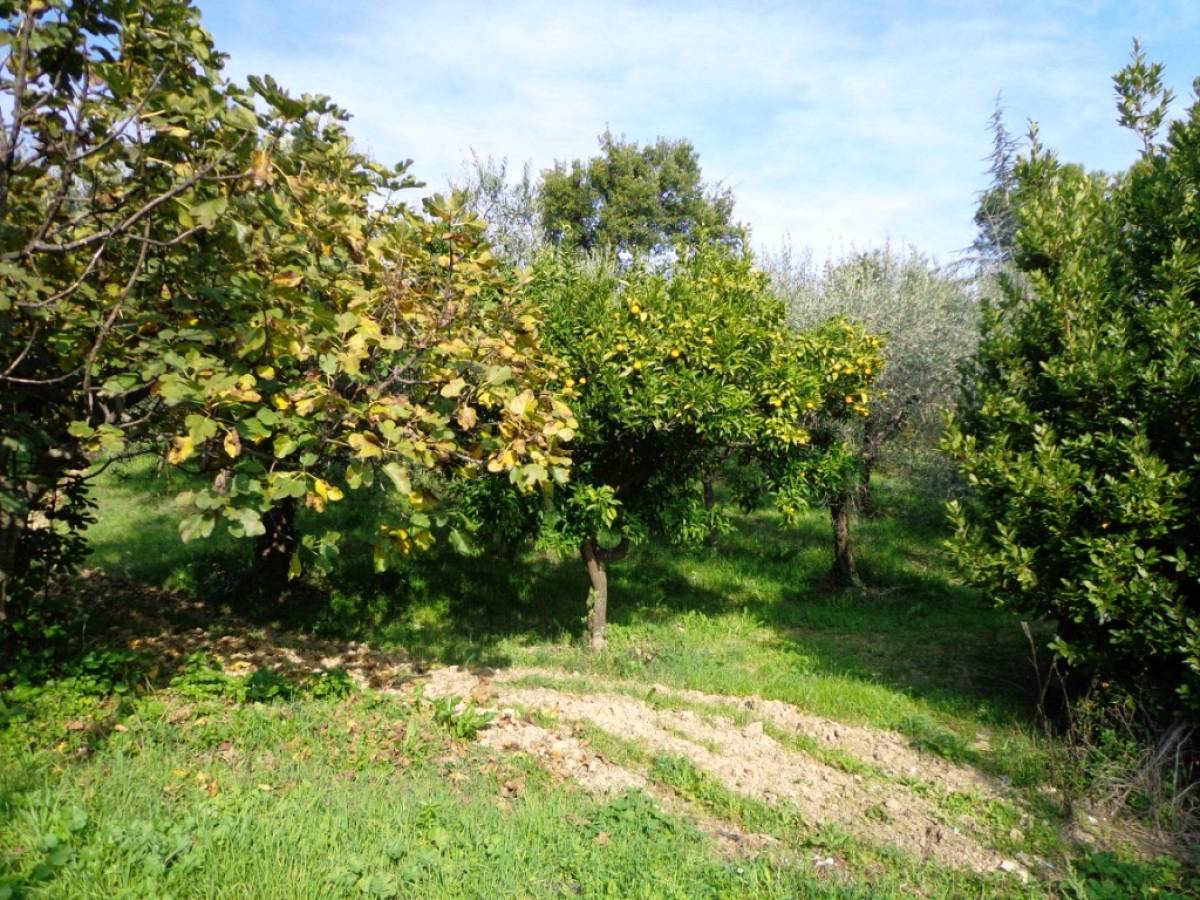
[461, 720]
[1081, 434]
[332, 684]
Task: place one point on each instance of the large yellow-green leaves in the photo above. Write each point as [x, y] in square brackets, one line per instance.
[214, 270]
[120, 147]
[354, 344]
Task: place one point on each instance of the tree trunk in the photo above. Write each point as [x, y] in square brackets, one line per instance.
[11, 529]
[597, 595]
[864, 498]
[596, 558]
[276, 546]
[710, 500]
[844, 571]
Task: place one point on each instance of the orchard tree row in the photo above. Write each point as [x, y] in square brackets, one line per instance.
[211, 271]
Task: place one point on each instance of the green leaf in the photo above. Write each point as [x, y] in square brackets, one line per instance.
[267, 416]
[196, 526]
[77, 820]
[255, 338]
[206, 213]
[200, 428]
[246, 522]
[463, 543]
[398, 477]
[284, 445]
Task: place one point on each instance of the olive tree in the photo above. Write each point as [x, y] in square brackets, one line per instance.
[928, 321]
[510, 206]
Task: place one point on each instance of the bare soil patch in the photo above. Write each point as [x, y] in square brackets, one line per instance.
[744, 759]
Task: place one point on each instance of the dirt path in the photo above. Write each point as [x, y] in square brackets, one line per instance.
[745, 759]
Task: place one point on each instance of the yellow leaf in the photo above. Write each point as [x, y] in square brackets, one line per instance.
[232, 444]
[260, 165]
[365, 445]
[327, 491]
[288, 279]
[467, 417]
[454, 388]
[183, 447]
[520, 404]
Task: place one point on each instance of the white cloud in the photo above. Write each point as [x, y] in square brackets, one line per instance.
[837, 127]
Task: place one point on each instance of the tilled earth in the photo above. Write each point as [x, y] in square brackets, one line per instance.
[744, 757]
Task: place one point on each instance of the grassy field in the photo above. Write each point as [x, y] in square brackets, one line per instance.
[126, 770]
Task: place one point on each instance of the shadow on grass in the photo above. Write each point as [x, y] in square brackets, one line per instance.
[911, 629]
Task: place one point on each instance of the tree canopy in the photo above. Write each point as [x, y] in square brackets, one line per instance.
[635, 199]
[1079, 437]
[929, 322]
[672, 372]
[189, 263]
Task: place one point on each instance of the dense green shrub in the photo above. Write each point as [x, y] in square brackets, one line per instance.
[1080, 432]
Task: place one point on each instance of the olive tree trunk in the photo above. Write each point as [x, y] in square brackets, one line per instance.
[857, 497]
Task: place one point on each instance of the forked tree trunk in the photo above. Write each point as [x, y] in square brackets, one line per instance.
[596, 559]
[276, 546]
[845, 572]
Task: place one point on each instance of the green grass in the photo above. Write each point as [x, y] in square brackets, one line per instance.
[330, 799]
[321, 794]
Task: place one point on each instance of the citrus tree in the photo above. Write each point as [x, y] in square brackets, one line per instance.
[1081, 432]
[670, 372]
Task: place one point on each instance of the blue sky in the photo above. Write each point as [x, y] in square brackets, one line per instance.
[837, 125]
